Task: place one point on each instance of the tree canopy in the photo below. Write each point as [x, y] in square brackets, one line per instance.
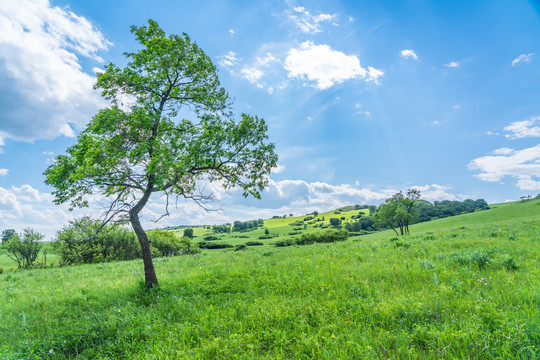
[144, 143]
[398, 211]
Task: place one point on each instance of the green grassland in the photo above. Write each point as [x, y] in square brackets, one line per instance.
[466, 287]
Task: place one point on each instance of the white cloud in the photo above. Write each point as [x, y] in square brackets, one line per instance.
[308, 23]
[436, 192]
[4, 172]
[409, 54]
[253, 73]
[521, 165]
[231, 31]
[228, 60]
[525, 128]
[522, 58]
[43, 87]
[325, 66]
[453, 64]
[279, 169]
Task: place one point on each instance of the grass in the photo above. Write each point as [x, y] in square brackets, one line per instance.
[470, 291]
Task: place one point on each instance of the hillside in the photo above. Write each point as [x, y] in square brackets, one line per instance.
[460, 288]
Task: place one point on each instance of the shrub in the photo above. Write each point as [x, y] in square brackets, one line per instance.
[283, 243]
[240, 247]
[263, 237]
[86, 241]
[211, 245]
[294, 233]
[327, 236]
[335, 221]
[254, 243]
[188, 233]
[210, 238]
[1, 270]
[266, 231]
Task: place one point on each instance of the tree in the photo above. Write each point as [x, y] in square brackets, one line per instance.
[24, 248]
[139, 146]
[398, 211]
[188, 233]
[6, 235]
[335, 222]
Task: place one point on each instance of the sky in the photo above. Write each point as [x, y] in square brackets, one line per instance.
[361, 98]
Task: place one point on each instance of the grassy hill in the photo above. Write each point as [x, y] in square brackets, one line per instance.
[466, 287]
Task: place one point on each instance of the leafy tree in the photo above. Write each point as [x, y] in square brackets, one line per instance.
[139, 146]
[335, 221]
[188, 233]
[7, 234]
[398, 211]
[24, 248]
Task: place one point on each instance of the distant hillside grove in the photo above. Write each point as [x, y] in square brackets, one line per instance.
[87, 241]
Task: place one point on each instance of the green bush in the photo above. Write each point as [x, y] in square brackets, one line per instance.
[86, 241]
[166, 243]
[254, 243]
[508, 263]
[283, 243]
[240, 247]
[263, 237]
[188, 233]
[1, 270]
[210, 238]
[210, 245]
[327, 236]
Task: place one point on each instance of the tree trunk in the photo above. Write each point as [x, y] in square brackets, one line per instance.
[150, 277]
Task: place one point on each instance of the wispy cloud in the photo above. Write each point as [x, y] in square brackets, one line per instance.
[409, 54]
[308, 23]
[254, 72]
[228, 60]
[325, 66]
[452, 64]
[526, 58]
[525, 128]
[4, 172]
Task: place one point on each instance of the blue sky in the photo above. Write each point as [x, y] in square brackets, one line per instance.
[361, 98]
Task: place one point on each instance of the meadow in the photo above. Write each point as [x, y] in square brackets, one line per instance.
[466, 287]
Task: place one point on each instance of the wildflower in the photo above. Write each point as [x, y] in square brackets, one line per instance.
[51, 352]
[119, 310]
[371, 254]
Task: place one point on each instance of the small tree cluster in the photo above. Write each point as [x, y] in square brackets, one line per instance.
[24, 248]
[247, 225]
[398, 211]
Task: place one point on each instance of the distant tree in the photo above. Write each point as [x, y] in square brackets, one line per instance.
[398, 211]
[266, 231]
[188, 233]
[140, 145]
[335, 221]
[24, 248]
[7, 234]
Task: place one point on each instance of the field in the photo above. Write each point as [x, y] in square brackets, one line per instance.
[466, 287]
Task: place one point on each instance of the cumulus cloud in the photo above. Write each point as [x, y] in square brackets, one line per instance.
[4, 172]
[525, 128]
[409, 54]
[453, 64]
[44, 90]
[526, 58]
[279, 169]
[308, 23]
[520, 165]
[325, 66]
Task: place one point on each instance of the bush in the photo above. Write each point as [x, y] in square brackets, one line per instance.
[335, 221]
[283, 243]
[1, 270]
[210, 246]
[166, 243]
[188, 233]
[254, 243]
[508, 263]
[263, 237]
[86, 241]
[327, 236]
[240, 247]
[210, 238]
